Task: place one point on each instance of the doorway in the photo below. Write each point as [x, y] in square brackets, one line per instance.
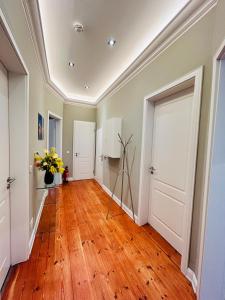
[83, 150]
[4, 177]
[52, 132]
[171, 149]
[54, 138]
[168, 160]
[212, 285]
[99, 157]
[14, 173]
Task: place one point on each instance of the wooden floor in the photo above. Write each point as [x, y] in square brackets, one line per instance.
[78, 254]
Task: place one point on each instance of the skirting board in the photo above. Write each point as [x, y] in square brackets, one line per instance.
[32, 238]
[73, 179]
[70, 179]
[124, 207]
[190, 275]
[192, 278]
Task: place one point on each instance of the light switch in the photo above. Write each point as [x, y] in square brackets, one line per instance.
[68, 152]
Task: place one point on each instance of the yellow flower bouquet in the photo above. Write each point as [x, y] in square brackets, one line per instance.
[50, 162]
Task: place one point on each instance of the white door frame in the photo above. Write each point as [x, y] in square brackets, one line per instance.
[59, 129]
[193, 79]
[217, 60]
[19, 147]
[96, 158]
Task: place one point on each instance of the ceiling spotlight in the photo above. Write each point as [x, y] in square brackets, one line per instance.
[71, 64]
[86, 87]
[111, 42]
[78, 27]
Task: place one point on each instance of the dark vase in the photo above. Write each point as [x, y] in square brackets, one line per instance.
[49, 177]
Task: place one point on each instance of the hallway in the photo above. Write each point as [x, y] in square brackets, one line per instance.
[78, 254]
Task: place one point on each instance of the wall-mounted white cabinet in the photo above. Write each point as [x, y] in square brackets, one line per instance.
[111, 144]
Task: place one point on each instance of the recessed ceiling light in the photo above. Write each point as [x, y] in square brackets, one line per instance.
[71, 64]
[78, 27]
[86, 87]
[111, 42]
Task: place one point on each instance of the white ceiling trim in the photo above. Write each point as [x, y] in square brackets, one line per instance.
[81, 104]
[182, 23]
[157, 48]
[33, 37]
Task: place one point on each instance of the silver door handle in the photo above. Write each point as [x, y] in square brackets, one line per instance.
[152, 170]
[10, 180]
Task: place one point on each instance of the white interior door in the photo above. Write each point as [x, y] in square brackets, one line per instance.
[99, 156]
[83, 150]
[4, 174]
[170, 190]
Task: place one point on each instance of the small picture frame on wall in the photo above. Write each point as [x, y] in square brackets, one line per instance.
[40, 127]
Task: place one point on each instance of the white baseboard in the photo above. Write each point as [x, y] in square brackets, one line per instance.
[95, 178]
[192, 278]
[73, 179]
[124, 207]
[32, 238]
[190, 275]
[70, 179]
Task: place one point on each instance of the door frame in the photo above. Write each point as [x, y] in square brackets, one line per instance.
[96, 142]
[19, 146]
[74, 178]
[192, 79]
[218, 59]
[59, 131]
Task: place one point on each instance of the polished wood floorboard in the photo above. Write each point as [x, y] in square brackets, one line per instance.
[78, 254]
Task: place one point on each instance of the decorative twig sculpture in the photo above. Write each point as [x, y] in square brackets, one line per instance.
[125, 170]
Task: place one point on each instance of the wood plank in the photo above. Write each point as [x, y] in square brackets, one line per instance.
[164, 245]
[78, 254]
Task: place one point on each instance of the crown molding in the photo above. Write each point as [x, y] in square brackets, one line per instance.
[81, 104]
[187, 18]
[32, 12]
[159, 45]
[33, 36]
[52, 90]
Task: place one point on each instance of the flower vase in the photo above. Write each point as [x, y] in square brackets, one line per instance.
[49, 177]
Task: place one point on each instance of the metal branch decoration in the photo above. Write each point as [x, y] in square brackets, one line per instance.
[125, 170]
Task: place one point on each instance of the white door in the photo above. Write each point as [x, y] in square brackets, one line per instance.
[170, 190]
[99, 156]
[83, 150]
[4, 174]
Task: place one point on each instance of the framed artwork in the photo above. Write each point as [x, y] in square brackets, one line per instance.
[40, 127]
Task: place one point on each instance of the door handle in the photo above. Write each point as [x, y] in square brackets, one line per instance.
[76, 154]
[10, 180]
[152, 170]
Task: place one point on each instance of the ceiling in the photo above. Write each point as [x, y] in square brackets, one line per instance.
[133, 24]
